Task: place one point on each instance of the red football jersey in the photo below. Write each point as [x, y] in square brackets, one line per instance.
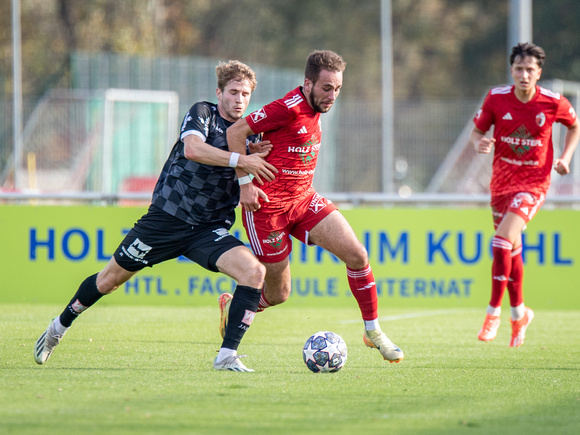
[523, 156]
[293, 128]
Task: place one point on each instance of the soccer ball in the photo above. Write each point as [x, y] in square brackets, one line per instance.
[325, 352]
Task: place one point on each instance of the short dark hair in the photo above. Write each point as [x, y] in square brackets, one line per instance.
[322, 59]
[234, 71]
[524, 49]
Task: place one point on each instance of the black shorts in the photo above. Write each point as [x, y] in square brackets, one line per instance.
[158, 237]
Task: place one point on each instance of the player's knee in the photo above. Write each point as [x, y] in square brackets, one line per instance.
[277, 291]
[105, 285]
[358, 258]
[108, 282]
[278, 297]
[255, 274]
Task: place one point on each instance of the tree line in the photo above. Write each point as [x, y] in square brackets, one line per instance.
[441, 48]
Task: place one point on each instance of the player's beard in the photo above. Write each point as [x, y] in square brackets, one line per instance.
[317, 107]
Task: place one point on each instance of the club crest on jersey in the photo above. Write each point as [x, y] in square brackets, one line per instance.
[540, 119]
[258, 115]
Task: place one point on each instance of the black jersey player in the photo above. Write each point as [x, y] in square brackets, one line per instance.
[191, 212]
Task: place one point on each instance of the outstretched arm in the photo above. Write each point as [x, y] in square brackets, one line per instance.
[562, 165]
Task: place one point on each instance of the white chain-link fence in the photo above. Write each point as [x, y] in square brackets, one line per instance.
[64, 149]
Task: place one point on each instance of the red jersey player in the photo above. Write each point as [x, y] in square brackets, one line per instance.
[522, 115]
[289, 205]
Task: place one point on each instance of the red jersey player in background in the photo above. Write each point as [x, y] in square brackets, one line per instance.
[522, 115]
[289, 205]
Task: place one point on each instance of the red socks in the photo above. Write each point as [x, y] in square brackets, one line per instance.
[515, 283]
[501, 269]
[363, 287]
[507, 271]
[263, 304]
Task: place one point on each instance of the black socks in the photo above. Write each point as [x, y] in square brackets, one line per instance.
[243, 308]
[86, 295]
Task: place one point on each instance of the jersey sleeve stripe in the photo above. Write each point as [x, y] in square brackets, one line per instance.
[294, 101]
[549, 93]
[501, 90]
[195, 133]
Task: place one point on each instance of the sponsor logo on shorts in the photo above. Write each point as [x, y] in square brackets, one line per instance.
[274, 254]
[137, 251]
[524, 202]
[274, 239]
[221, 233]
[318, 203]
[516, 202]
[522, 197]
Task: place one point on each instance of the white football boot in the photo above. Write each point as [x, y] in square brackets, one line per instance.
[231, 363]
[377, 339]
[46, 343]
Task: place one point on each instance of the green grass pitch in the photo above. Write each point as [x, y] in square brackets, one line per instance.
[147, 370]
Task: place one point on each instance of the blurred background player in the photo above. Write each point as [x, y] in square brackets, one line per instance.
[289, 205]
[191, 212]
[522, 115]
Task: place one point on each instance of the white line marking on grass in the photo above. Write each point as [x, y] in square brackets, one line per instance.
[411, 315]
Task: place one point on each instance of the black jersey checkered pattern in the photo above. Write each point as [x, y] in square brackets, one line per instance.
[194, 192]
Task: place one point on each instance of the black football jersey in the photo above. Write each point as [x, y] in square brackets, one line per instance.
[194, 192]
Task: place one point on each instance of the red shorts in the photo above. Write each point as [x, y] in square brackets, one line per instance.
[269, 230]
[523, 204]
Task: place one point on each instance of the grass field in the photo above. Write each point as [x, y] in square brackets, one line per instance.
[148, 370]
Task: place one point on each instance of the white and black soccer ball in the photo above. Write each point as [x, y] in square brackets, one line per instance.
[325, 352]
